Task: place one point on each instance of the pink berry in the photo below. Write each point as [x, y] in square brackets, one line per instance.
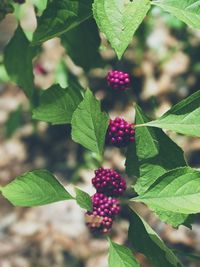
[40, 70]
[118, 80]
[109, 182]
[120, 133]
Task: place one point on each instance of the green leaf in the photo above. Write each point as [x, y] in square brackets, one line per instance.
[149, 168]
[145, 149]
[13, 122]
[173, 218]
[41, 5]
[61, 74]
[177, 191]
[18, 57]
[121, 256]
[89, 124]
[82, 45]
[35, 188]
[132, 162]
[83, 199]
[186, 10]
[57, 105]
[182, 118]
[61, 16]
[119, 20]
[65, 78]
[154, 154]
[147, 242]
[4, 78]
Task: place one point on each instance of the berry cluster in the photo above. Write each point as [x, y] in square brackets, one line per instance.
[104, 210]
[120, 132]
[108, 183]
[118, 80]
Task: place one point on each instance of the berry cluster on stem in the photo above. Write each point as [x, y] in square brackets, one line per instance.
[120, 132]
[108, 183]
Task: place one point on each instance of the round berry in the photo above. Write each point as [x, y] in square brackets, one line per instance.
[118, 80]
[109, 182]
[120, 133]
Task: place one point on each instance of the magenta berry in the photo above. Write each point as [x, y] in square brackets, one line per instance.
[118, 80]
[109, 182]
[105, 208]
[120, 132]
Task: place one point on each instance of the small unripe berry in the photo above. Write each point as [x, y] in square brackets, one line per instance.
[120, 133]
[118, 80]
[109, 182]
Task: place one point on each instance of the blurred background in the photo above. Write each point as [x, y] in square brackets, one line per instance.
[164, 62]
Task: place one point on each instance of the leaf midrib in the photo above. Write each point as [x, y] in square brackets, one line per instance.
[152, 123]
[93, 121]
[167, 197]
